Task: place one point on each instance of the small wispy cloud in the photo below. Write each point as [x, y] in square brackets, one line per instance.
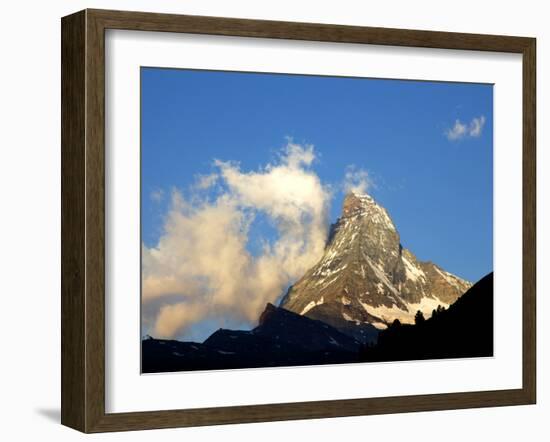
[476, 126]
[457, 132]
[462, 130]
[157, 195]
[204, 182]
[356, 180]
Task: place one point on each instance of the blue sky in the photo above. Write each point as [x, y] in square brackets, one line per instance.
[437, 189]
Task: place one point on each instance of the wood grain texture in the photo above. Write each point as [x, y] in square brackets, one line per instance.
[73, 128]
[145, 21]
[95, 222]
[83, 220]
[529, 221]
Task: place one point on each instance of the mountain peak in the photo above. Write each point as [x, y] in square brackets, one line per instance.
[269, 311]
[353, 193]
[359, 197]
[366, 276]
[362, 208]
[354, 203]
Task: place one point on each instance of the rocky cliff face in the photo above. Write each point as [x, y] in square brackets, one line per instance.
[366, 279]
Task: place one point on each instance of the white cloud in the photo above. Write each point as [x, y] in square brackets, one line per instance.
[476, 126]
[356, 180]
[201, 267]
[204, 182]
[296, 155]
[458, 131]
[462, 130]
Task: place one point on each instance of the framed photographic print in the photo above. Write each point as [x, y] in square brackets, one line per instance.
[270, 220]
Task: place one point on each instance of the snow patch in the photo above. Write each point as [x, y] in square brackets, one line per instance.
[389, 314]
[381, 275]
[326, 284]
[413, 273]
[312, 304]
[426, 306]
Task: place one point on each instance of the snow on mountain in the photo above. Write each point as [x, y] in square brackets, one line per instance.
[366, 279]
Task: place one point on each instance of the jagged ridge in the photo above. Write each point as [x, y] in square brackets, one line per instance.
[282, 338]
[367, 279]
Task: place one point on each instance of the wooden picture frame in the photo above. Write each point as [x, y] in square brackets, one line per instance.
[83, 220]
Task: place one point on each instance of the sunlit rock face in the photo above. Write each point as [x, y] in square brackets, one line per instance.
[366, 279]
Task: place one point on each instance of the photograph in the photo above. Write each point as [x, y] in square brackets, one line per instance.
[269, 221]
[298, 220]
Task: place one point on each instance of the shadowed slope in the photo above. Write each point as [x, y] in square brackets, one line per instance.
[465, 329]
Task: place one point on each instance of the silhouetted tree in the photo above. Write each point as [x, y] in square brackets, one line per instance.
[437, 311]
[419, 317]
[464, 329]
[396, 323]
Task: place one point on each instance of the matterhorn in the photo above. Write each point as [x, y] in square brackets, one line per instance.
[366, 279]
